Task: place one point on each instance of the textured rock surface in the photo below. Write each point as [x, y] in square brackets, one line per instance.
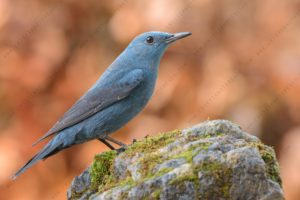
[213, 160]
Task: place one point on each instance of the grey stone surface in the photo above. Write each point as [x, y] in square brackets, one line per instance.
[80, 185]
[212, 160]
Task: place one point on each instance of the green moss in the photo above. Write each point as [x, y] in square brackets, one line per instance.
[205, 135]
[75, 195]
[225, 189]
[102, 177]
[210, 166]
[156, 194]
[204, 146]
[161, 172]
[124, 195]
[101, 169]
[148, 163]
[220, 173]
[211, 134]
[268, 155]
[192, 177]
[150, 144]
[190, 153]
[222, 176]
[128, 181]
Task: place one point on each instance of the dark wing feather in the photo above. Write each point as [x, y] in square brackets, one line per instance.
[95, 101]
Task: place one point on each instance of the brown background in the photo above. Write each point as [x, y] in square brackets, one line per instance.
[241, 63]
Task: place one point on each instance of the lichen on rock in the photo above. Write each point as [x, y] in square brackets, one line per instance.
[213, 160]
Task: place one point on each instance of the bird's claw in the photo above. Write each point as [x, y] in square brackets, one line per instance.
[121, 149]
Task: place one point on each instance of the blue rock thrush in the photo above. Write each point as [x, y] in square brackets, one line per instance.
[118, 95]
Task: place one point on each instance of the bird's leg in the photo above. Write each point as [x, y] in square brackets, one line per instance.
[106, 143]
[115, 141]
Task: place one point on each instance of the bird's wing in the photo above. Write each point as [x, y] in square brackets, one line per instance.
[96, 100]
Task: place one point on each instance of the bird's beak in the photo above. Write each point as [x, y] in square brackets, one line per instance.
[177, 36]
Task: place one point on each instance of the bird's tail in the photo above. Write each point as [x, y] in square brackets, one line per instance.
[51, 148]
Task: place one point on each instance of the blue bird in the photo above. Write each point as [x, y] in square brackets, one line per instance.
[118, 95]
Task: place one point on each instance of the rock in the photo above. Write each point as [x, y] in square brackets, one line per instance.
[213, 160]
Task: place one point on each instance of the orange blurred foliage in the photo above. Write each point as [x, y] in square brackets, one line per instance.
[241, 64]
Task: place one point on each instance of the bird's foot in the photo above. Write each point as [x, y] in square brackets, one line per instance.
[121, 149]
[107, 144]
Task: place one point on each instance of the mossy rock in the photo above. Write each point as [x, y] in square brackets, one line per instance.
[213, 160]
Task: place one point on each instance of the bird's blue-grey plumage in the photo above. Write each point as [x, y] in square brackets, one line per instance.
[120, 93]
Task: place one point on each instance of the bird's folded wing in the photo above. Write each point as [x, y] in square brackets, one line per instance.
[96, 100]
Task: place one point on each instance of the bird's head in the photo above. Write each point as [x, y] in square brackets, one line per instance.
[152, 45]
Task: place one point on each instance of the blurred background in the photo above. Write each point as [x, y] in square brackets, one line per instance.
[241, 64]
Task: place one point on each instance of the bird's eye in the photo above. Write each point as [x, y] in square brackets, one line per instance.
[149, 39]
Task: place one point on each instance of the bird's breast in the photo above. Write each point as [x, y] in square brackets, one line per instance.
[142, 94]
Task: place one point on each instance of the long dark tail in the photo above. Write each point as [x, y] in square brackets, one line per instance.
[51, 148]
